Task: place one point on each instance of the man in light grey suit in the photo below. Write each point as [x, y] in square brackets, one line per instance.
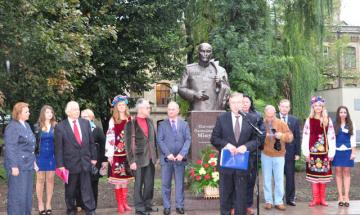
[174, 141]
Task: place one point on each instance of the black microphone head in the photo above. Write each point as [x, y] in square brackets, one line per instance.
[242, 113]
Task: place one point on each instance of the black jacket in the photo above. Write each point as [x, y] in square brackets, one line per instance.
[68, 153]
[293, 148]
[223, 133]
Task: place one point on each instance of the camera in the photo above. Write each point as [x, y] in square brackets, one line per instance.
[277, 144]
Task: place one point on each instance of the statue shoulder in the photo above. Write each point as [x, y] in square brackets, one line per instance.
[192, 66]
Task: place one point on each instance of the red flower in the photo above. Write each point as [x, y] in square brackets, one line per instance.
[199, 162]
[192, 172]
[198, 177]
[212, 163]
[207, 177]
[206, 165]
[212, 155]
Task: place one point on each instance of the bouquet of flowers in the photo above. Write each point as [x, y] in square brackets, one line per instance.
[204, 171]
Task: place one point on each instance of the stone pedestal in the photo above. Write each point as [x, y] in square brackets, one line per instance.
[201, 125]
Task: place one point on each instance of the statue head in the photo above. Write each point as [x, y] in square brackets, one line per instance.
[205, 54]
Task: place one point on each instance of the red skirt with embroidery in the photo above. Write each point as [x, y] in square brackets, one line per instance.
[120, 170]
[318, 170]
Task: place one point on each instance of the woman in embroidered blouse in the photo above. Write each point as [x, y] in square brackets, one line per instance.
[345, 153]
[120, 172]
[318, 146]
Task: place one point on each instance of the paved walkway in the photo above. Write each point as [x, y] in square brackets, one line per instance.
[301, 209]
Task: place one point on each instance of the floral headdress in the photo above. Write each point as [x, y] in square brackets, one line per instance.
[119, 98]
[316, 99]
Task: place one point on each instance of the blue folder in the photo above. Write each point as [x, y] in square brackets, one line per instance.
[237, 161]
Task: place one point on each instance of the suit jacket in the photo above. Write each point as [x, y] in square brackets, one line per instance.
[173, 144]
[99, 140]
[68, 153]
[294, 147]
[19, 146]
[223, 133]
[142, 154]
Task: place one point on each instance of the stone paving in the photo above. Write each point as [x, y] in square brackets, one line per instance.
[301, 209]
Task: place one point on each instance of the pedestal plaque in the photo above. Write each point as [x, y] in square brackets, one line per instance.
[201, 125]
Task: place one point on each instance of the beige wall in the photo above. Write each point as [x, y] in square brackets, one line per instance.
[343, 96]
[157, 113]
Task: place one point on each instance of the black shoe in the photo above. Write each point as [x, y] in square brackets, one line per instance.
[141, 213]
[167, 211]
[48, 212]
[180, 210]
[150, 209]
[42, 212]
[291, 203]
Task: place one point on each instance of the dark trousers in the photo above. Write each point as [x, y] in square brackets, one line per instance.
[144, 187]
[289, 170]
[94, 186]
[233, 185]
[86, 192]
[169, 169]
[251, 181]
[20, 189]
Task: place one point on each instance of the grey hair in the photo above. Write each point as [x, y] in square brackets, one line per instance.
[141, 102]
[89, 112]
[70, 105]
[269, 108]
[172, 103]
[236, 94]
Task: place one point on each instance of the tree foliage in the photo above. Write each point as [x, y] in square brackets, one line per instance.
[91, 50]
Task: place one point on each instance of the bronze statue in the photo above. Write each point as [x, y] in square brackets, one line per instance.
[205, 84]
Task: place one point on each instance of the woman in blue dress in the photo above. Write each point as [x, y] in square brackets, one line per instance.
[345, 153]
[45, 157]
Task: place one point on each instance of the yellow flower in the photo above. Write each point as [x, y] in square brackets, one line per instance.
[215, 176]
[202, 171]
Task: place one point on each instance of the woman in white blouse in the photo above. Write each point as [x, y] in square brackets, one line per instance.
[318, 146]
[345, 153]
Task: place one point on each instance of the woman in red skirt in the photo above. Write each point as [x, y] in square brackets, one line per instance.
[318, 146]
[120, 172]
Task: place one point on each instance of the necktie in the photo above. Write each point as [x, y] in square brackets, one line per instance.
[77, 133]
[237, 129]
[173, 126]
[284, 119]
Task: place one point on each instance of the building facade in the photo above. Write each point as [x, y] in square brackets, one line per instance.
[343, 85]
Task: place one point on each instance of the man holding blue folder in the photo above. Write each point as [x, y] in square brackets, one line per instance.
[233, 133]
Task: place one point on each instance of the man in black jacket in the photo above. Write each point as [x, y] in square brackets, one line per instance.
[140, 140]
[293, 151]
[232, 132]
[75, 151]
[99, 140]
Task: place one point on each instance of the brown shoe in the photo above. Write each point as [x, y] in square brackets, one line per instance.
[250, 211]
[268, 206]
[280, 207]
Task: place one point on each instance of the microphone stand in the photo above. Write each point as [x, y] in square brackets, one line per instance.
[259, 135]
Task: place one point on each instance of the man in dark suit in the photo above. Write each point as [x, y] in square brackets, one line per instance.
[174, 140]
[293, 151]
[75, 150]
[142, 156]
[232, 132]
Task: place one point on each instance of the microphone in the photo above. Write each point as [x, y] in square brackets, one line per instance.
[242, 113]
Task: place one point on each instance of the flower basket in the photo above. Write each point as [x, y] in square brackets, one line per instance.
[211, 192]
[203, 174]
